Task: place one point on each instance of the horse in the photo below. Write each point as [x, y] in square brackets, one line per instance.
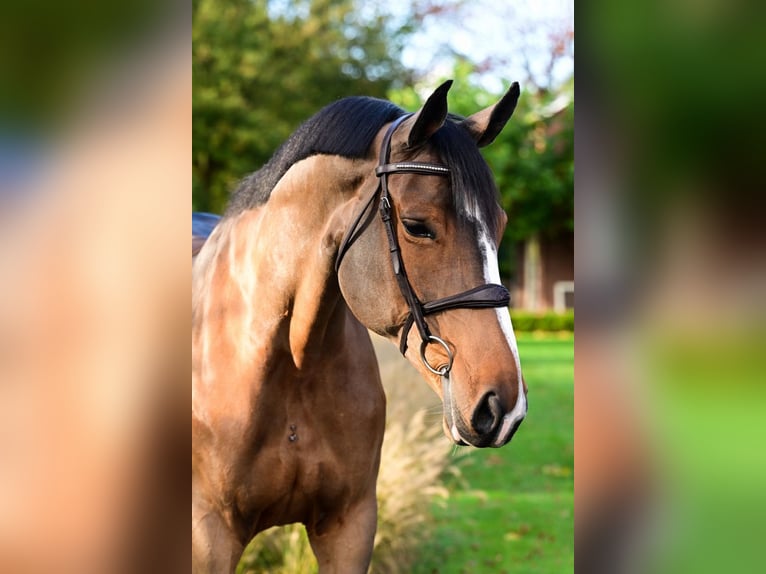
[366, 218]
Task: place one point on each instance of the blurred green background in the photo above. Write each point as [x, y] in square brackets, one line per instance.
[672, 280]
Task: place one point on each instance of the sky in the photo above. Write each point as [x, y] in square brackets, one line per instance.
[491, 30]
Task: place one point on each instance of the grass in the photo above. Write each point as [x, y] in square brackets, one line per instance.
[511, 510]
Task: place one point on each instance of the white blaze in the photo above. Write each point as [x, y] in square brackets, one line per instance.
[492, 275]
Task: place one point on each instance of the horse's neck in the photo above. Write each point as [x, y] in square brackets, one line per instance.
[264, 286]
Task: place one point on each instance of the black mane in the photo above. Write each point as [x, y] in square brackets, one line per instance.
[347, 128]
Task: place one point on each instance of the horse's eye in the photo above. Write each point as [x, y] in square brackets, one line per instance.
[417, 229]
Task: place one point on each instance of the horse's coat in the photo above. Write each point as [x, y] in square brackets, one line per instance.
[288, 409]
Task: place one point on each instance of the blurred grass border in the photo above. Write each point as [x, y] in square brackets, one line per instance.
[547, 321]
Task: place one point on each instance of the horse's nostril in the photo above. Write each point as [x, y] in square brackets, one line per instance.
[487, 415]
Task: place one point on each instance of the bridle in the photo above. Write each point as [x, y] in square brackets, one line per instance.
[484, 296]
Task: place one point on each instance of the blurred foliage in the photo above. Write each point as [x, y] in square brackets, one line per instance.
[697, 64]
[677, 143]
[52, 52]
[261, 68]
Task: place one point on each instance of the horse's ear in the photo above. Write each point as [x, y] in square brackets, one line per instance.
[484, 126]
[430, 117]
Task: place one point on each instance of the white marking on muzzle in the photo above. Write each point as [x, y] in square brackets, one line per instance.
[450, 407]
[492, 275]
[455, 433]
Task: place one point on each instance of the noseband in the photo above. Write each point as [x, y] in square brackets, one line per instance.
[484, 296]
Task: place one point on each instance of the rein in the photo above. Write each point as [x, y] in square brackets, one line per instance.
[485, 296]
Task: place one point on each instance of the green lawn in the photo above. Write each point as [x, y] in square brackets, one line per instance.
[511, 510]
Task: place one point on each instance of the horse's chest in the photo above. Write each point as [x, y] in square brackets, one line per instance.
[307, 449]
[307, 477]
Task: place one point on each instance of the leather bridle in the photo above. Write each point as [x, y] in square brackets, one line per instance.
[484, 296]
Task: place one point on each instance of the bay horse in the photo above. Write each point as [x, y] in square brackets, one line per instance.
[288, 409]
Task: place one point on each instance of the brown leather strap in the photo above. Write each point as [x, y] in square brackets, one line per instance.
[482, 297]
[354, 229]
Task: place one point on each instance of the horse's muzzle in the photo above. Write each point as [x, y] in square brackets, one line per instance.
[491, 423]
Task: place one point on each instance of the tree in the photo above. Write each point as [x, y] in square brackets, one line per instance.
[261, 68]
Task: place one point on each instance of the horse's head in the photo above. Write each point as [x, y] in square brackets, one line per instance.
[423, 270]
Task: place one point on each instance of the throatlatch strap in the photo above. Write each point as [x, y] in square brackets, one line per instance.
[351, 233]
